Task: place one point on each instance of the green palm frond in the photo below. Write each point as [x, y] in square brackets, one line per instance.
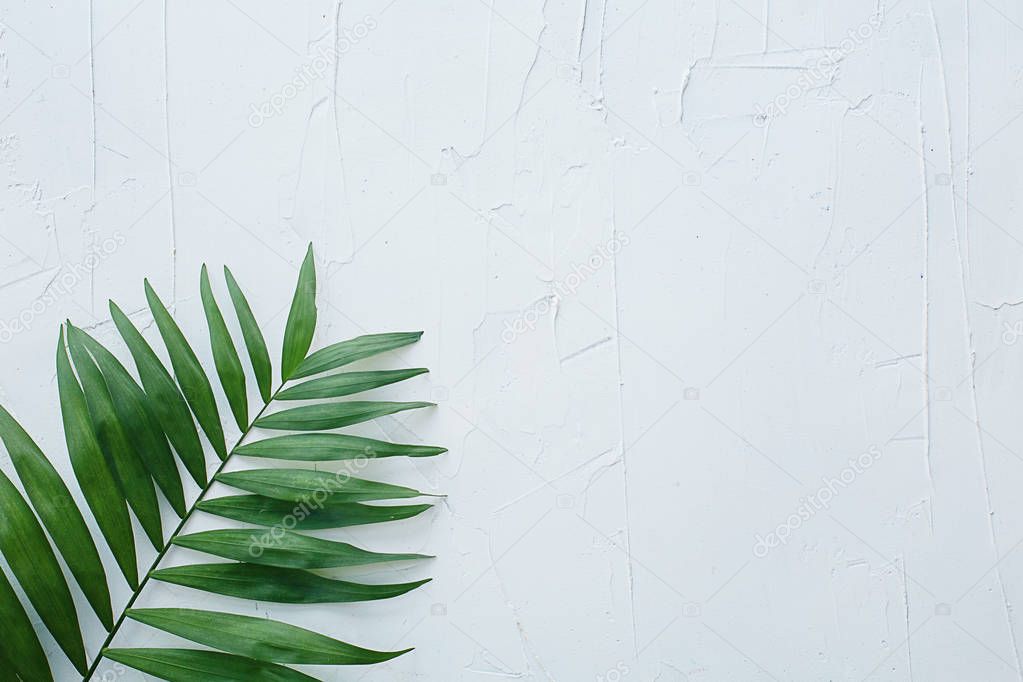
[126, 437]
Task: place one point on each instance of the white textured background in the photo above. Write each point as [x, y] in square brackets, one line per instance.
[816, 255]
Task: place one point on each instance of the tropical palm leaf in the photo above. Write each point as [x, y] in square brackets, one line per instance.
[125, 437]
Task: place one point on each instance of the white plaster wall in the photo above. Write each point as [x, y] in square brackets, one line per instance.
[816, 255]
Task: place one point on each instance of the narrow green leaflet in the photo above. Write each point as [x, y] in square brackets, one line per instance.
[347, 383]
[33, 563]
[298, 335]
[347, 352]
[287, 550]
[59, 513]
[265, 511]
[130, 473]
[194, 383]
[281, 585]
[258, 638]
[137, 419]
[165, 399]
[325, 447]
[94, 476]
[225, 355]
[20, 649]
[188, 665]
[259, 356]
[332, 415]
[304, 485]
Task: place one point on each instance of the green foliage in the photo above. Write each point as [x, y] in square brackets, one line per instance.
[125, 438]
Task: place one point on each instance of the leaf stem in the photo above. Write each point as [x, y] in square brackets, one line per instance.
[163, 552]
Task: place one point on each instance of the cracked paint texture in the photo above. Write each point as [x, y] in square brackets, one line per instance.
[682, 268]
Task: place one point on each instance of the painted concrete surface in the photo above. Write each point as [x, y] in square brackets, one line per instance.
[721, 301]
